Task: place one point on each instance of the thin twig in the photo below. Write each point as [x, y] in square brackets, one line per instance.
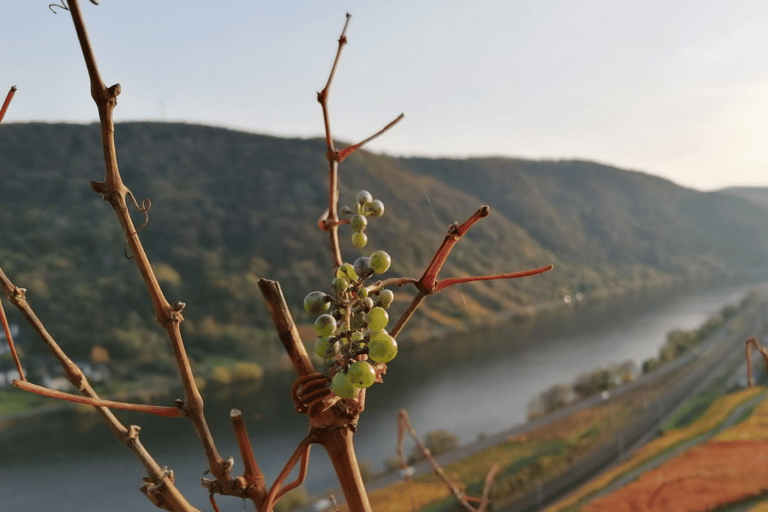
[7, 102]
[113, 190]
[428, 283]
[251, 473]
[344, 153]
[513, 275]
[486, 499]
[331, 222]
[752, 342]
[428, 280]
[157, 410]
[161, 480]
[301, 452]
[458, 493]
[9, 340]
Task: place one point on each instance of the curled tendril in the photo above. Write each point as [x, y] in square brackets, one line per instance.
[65, 6]
[310, 394]
[146, 205]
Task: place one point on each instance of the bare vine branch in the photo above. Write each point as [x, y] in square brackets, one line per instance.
[160, 488]
[9, 341]
[157, 410]
[753, 343]
[7, 102]
[404, 426]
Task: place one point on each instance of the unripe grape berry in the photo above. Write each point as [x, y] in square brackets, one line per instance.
[362, 293]
[347, 271]
[386, 297]
[325, 325]
[380, 262]
[325, 348]
[363, 267]
[358, 223]
[382, 348]
[361, 374]
[376, 208]
[367, 303]
[339, 284]
[377, 319]
[359, 240]
[342, 387]
[364, 197]
[316, 303]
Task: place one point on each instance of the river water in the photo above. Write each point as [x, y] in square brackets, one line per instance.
[468, 384]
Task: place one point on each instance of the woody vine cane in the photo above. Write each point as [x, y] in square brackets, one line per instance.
[352, 333]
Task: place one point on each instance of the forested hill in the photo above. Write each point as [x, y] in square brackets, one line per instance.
[228, 207]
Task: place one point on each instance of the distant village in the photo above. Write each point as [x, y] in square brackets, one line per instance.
[42, 369]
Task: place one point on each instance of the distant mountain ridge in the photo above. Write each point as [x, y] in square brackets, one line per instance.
[229, 206]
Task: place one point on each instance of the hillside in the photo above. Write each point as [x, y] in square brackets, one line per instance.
[757, 195]
[228, 207]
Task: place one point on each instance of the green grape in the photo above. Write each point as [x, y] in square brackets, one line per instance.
[367, 303]
[362, 293]
[342, 387]
[376, 208]
[382, 348]
[363, 267]
[356, 337]
[325, 348]
[339, 284]
[316, 303]
[359, 240]
[358, 223]
[361, 374]
[347, 271]
[325, 325]
[377, 319]
[364, 197]
[385, 298]
[380, 262]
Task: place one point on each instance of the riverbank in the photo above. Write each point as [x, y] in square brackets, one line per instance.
[556, 444]
[18, 407]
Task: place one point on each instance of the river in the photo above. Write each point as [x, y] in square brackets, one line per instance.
[468, 384]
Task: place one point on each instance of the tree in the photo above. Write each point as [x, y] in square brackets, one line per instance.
[351, 329]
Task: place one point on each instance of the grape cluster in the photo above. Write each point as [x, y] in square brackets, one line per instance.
[351, 324]
[365, 206]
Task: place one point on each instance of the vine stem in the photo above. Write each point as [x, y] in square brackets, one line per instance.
[169, 317]
[330, 221]
[334, 427]
[161, 488]
[428, 283]
[157, 410]
[7, 102]
[750, 344]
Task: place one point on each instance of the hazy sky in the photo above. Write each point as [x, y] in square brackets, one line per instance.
[673, 88]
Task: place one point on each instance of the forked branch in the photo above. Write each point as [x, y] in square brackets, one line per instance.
[750, 344]
[404, 426]
[330, 221]
[159, 487]
[428, 283]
